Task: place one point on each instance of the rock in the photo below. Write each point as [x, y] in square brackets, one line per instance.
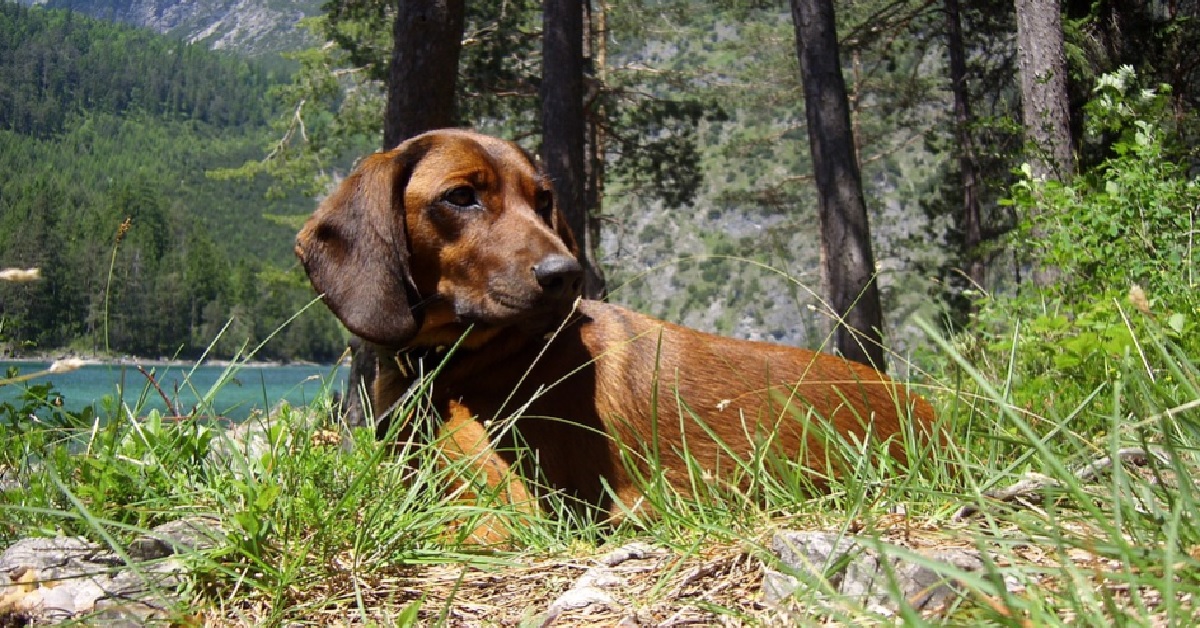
[597, 585]
[240, 447]
[858, 571]
[49, 580]
[9, 481]
[57, 557]
[177, 537]
[253, 27]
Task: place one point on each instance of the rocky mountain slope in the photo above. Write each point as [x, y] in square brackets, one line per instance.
[742, 258]
[254, 27]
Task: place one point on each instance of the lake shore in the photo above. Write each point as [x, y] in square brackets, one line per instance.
[131, 360]
[114, 387]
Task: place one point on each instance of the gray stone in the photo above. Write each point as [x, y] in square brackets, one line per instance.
[177, 537]
[853, 569]
[68, 578]
[9, 480]
[597, 585]
[240, 447]
[59, 557]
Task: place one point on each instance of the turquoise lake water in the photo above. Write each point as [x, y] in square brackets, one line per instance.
[243, 389]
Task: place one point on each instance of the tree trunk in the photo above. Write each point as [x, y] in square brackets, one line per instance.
[1044, 107]
[426, 40]
[849, 266]
[596, 141]
[563, 126]
[971, 218]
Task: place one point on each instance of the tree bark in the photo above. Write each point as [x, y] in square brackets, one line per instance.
[849, 265]
[1044, 105]
[597, 22]
[971, 218]
[426, 40]
[563, 125]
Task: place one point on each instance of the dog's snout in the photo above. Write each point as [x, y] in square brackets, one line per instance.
[560, 276]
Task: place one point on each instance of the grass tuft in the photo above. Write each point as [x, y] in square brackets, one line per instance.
[1079, 504]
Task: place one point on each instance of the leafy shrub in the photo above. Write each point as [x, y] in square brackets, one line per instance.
[115, 467]
[1132, 219]
[1121, 237]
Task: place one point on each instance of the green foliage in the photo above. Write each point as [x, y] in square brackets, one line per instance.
[191, 259]
[333, 108]
[104, 462]
[196, 255]
[1120, 239]
[1132, 219]
[41, 404]
[330, 116]
[293, 508]
[57, 63]
[659, 147]
[1112, 454]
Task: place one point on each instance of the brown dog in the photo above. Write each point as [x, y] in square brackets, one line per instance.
[455, 235]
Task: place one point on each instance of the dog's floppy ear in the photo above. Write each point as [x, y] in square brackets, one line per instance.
[355, 249]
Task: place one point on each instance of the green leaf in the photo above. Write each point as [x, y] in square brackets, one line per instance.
[1083, 344]
[1066, 360]
[266, 497]
[1176, 322]
[410, 615]
[248, 522]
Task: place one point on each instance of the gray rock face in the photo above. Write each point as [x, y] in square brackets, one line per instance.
[176, 537]
[49, 580]
[249, 26]
[849, 568]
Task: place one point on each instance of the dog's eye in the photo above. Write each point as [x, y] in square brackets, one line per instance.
[545, 203]
[461, 196]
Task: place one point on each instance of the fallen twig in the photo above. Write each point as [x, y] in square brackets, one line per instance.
[1029, 487]
[153, 382]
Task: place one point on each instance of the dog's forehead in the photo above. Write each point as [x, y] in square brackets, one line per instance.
[506, 152]
[480, 159]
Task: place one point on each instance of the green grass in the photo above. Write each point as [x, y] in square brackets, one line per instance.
[315, 528]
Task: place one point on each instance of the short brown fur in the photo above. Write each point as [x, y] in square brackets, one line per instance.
[452, 231]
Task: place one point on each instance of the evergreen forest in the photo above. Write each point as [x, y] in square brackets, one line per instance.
[157, 185]
[106, 135]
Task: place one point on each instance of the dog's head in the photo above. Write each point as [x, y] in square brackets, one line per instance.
[449, 229]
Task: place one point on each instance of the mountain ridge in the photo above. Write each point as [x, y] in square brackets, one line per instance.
[251, 27]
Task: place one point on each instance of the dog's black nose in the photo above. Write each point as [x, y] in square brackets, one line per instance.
[560, 276]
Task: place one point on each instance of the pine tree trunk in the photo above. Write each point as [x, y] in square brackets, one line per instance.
[849, 266]
[597, 142]
[563, 126]
[1044, 105]
[427, 40]
[971, 219]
